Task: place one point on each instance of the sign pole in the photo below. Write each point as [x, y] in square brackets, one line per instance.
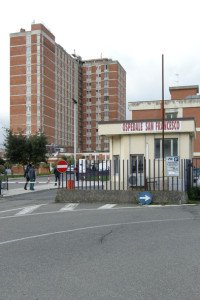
[163, 124]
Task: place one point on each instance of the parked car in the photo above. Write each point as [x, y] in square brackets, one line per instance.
[196, 175]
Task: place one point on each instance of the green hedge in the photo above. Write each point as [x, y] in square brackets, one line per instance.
[194, 194]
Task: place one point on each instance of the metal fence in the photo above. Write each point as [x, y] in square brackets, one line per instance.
[136, 173]
[131, 174]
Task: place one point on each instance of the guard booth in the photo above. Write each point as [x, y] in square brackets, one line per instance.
[136, 148]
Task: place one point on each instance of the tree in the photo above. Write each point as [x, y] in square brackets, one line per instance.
[68, 159]
[2, 161]
[22, 149]
[37, 148]
[15, 147]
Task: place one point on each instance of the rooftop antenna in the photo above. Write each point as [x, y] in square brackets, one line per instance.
[177, 79]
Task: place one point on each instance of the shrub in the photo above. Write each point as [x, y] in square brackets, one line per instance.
[44, 165]
[194, 193]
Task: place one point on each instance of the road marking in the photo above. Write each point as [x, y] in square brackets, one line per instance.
[28, 210]
[13, 209]
[95, 209]
[70, 206]
[107, 206]
[92, 227]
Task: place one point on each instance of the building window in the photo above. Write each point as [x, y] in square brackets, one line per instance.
[28, 60]
[28, 70]
[28, 39]
[28, 89]
[106, 83]
[171, 115]
[28, 51]
[105, 90]
[170, 147]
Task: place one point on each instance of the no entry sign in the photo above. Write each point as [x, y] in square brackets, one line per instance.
[62, 166]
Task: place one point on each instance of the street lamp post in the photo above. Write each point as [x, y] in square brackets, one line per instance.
[75, 102]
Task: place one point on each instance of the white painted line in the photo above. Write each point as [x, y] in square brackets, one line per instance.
[70, 206]
[28, 210]
[107, 206]
[85, 210]
[93, 227]
[8, 210]
[22, 182]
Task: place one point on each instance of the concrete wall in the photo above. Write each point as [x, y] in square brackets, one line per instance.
[122, 197]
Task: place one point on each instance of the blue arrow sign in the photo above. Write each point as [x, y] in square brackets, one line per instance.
[145, 198]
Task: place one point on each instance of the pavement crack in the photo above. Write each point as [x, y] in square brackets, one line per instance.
[103, 236]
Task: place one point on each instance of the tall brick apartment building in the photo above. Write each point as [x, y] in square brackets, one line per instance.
[44, 80]
[104, 99]
[184, 103]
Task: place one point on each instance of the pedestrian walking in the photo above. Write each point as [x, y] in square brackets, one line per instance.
[57, 176]
[76, 171]
[26, 176]
[31, 175]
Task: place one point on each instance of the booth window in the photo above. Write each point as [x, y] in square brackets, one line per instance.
[170, 147]
[136, 163]
[116, 163]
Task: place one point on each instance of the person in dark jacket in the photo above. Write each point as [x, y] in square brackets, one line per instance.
[76, 171]
[31, 175]
[26, 176]
[57, 176]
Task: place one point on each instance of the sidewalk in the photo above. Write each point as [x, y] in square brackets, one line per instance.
[20, 190]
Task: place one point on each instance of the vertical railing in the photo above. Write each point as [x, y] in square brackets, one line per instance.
[125, 174]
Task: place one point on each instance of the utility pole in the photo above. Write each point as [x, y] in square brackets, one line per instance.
[163, 124]
[75, 102]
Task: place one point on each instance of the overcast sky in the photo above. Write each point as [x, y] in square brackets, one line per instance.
[134, 32]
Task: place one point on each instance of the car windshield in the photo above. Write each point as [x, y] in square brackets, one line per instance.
[196, 172]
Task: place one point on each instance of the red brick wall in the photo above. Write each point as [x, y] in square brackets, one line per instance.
[146, 114]
[195, 113]
[116, 104]
[182, 93]
[18, 81]
[192, 112]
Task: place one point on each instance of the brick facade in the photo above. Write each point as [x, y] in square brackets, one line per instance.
[104, 98]
[184, 103]
[44, 80]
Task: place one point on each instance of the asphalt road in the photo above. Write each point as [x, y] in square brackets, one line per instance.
[94, 253]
